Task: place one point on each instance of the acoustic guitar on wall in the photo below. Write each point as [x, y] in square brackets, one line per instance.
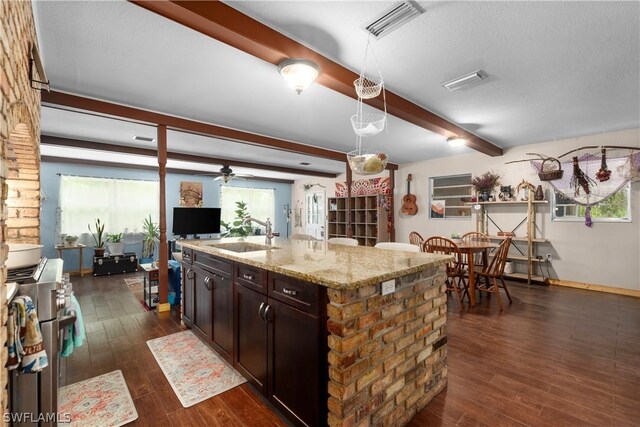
[409, 206]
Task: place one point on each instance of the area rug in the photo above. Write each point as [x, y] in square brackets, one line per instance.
[99, 401]
[136, 287]
[194, 371]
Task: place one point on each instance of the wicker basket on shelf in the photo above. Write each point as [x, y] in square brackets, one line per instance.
[550, 174]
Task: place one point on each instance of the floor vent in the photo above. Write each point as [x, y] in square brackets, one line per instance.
[394, 17]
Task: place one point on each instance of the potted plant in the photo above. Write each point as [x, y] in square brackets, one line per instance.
[238, 228]
[97, 237]
[115, 244]
[456, 237]
[484, 184]
[149, 235]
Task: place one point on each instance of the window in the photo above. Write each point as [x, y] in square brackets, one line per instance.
[121, 204]
[616, 208]
[260, 202]
[449, 196]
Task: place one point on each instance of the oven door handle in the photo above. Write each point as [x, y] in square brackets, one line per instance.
[67, 320]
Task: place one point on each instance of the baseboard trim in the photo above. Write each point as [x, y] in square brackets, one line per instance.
[597, 288]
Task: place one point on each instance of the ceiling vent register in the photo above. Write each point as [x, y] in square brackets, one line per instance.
[392, 18]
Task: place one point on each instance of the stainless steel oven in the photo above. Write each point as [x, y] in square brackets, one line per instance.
[34, 397]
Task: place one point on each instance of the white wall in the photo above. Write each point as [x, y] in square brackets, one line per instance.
[607, 254]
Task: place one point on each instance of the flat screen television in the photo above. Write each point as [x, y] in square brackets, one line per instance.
[195, 221]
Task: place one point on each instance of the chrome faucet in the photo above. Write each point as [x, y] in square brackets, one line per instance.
[266, 224]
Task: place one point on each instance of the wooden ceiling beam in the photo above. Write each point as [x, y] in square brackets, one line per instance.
[68, 100]
[149, 152]
[230, 26]
[118, 165]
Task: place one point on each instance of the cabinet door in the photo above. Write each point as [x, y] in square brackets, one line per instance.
[223, 316]
[251, 337]
[202, 298]
[296, 376]
[187, 294]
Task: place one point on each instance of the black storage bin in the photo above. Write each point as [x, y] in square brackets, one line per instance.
[115, 264]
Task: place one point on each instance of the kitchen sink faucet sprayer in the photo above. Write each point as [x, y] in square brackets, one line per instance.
[266, 224]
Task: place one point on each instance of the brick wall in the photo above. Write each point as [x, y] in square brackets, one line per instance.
[19, 146]
[387, 354]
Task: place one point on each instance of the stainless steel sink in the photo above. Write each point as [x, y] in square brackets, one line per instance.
[242, 247]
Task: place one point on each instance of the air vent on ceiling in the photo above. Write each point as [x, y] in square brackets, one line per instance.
[466, 80]
[143, 138]
[392, 18]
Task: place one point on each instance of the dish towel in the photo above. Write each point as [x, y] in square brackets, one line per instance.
[74, 334]
[24, 339]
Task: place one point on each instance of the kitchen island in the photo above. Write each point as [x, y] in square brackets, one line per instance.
[307, 324]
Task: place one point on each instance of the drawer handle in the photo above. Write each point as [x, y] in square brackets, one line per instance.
[207, 283]
[288, 291]
[248, 276]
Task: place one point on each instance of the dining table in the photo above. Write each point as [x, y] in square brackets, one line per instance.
[470, 248]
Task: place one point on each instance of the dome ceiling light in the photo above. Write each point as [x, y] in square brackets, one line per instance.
[456, 141]
[299, 73]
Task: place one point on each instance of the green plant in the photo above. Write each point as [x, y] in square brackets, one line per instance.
[114, 238]
[97, 235]
[486, 182]
[150, 234]
[238, 228]
[456, 236]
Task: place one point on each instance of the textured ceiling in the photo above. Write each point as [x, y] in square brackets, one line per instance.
[557, 69]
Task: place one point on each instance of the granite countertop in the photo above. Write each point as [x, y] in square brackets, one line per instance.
[330, 265]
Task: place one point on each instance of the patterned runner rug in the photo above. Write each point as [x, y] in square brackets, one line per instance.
[100, 401]
[194, 371]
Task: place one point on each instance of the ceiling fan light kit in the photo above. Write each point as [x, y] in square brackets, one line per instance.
[299, 73]
[466, 80]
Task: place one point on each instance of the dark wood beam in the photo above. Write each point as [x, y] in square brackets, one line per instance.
[149, 152]
[192, 126]
[226, 24]
[163, 256]
[118, 165]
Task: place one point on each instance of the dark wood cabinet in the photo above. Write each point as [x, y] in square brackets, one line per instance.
[187, 294]
[251, 339]
[270, 326]
[222, 333]
[203, 302]
[296, 376]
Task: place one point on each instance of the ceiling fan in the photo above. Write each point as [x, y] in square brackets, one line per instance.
[226, 174]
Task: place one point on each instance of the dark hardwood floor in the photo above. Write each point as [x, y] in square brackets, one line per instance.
[556, 357]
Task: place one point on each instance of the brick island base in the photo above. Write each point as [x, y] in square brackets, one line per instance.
[387, 354]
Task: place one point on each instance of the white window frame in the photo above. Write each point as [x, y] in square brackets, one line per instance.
[462, 186]
[574, 218]
[271, 216]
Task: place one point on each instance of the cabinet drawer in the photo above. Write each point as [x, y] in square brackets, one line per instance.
[213, 263]
[187, 255]
[251, 277]
[301, 295]
[154, 275]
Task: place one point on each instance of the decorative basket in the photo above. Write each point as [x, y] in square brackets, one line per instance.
[367, 162]
[368, 124]
[550, 174]
[368, 87]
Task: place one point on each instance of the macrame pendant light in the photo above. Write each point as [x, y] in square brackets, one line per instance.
[368, 123]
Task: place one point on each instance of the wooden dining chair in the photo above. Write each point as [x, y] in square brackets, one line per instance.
[455, 272]
[494, 271]
[415, 238]
[472, 237]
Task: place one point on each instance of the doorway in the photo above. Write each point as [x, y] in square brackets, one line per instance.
[315, 213]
